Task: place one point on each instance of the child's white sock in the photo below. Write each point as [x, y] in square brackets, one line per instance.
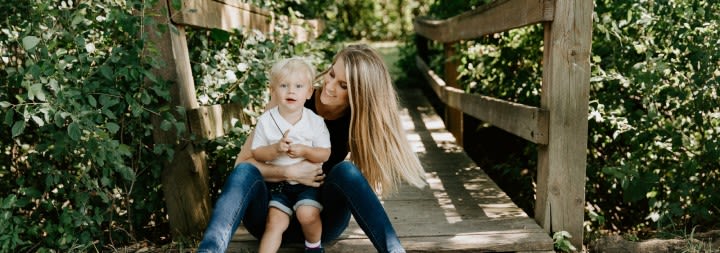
[312, 245]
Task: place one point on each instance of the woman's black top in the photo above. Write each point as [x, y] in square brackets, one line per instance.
[339, 130]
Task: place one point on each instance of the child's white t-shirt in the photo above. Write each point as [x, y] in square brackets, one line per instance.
[310, 130]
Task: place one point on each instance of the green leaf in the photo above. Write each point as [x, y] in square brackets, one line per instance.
[30, 42]
[220, 36]
[9, 202]
[112, 127]
[92, 101]
[5, 104]
[74, 131]
[106, 72]
[124, 150]
[36, 91]
[176, 4]
[165, 125]
[77, 19]
[9, 117]
[104, 181]
[18, 128]
[39, 121]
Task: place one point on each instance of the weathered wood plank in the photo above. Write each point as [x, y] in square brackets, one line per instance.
[527, 122]
[213, 121]
[230, 15]
[499, 16]
[566, 82]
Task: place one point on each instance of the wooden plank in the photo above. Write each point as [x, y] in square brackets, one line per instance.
[566, 82]
[491, 242]
[213, 121]
[230, 15]
[499, 16]
[185, 178]
[527, 122]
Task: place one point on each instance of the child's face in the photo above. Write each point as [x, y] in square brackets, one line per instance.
[292, 91]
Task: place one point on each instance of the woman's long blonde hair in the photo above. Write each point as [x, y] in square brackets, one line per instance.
[378, 145]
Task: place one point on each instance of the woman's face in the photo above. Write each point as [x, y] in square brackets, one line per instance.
[335, 92]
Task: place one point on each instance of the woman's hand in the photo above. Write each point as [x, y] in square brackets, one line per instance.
[306, 173]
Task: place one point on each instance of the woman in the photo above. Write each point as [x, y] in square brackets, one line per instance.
[359, 105]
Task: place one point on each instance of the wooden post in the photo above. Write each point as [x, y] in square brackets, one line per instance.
[565, 88]
[453, 117]
[185, 178]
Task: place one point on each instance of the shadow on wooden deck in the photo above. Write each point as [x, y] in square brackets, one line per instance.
[462, 210]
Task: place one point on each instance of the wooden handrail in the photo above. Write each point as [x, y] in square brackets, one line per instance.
[560, 124]
[496, 17]
[527, 122]
[213, 121]
[229, 15]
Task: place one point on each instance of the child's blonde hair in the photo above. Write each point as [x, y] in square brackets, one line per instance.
[287, 66]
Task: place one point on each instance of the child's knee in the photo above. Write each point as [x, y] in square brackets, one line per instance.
[277, 220]
[307, 214]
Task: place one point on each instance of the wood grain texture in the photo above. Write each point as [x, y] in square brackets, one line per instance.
[525, 121]
[566, 84]
[231, 15]
[499, 16]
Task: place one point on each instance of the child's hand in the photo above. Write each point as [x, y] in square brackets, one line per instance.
[284, 144]
[296, 150]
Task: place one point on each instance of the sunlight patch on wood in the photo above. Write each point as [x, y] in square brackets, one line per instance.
[444, 201]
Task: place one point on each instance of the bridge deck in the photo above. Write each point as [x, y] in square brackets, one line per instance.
[462, 210]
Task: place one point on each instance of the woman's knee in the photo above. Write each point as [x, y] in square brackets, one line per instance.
[345, 173]
[245, 171]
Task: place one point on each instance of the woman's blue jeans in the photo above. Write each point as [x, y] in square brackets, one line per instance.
[245, 198]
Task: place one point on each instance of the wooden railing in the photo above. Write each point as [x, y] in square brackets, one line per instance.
[185, 178]
[559, 125]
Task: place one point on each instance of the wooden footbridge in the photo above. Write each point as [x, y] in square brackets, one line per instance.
[462, 210]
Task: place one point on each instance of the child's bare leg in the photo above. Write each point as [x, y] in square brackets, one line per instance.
[309, 218]
[277, 223]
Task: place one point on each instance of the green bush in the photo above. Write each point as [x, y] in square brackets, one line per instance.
[79, 169]
[655, 114]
